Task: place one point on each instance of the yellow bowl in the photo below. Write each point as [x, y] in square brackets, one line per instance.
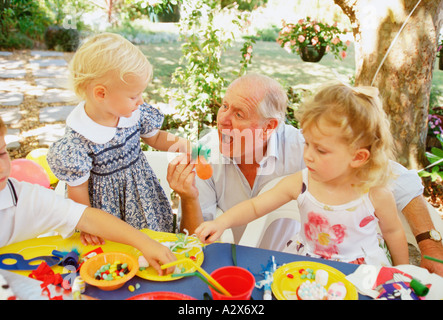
[90, 267]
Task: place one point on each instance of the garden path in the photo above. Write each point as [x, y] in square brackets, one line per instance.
[33, 100]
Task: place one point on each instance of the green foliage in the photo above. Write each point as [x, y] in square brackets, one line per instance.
[244, 5]
[269, 34]
[20, 22]
[295, 99]
[135, 9]
[246, 55]
[61, 10]
[62, 39]
[199, 79]
[16, 41]
[435, 157]
[23, 21]
[435, 117]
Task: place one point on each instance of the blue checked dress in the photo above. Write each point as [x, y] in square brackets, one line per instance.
[121, 180]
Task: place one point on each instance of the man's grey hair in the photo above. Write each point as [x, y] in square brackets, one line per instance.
[274, 100]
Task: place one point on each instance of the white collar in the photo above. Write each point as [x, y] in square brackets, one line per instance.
[79, 121]
[7, 199]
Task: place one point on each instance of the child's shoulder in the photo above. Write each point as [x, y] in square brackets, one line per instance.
[292, 182]
[72, 145]
[150, 117]
[380, 194]
[71, 139]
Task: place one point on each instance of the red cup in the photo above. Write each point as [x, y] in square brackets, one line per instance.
[238, 281]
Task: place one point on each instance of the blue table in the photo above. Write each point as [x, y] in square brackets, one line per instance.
[216, 255]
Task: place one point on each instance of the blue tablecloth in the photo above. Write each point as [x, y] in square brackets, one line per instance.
[216, 255]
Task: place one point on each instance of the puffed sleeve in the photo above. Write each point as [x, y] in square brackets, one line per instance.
[69, 160]
[151, 120]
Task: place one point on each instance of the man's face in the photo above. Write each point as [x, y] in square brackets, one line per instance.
[240, 126]
[5, 163]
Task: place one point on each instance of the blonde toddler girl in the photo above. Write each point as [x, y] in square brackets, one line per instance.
[99, 156]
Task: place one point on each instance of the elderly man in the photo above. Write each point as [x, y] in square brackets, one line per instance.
[252, 146]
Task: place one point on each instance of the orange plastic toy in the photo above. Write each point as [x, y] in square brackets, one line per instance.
[202, 168]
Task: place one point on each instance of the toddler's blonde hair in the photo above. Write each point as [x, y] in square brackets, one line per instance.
[101, 54]
[359, 113]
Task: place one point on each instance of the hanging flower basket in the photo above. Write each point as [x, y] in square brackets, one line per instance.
[312, 53]
[312, 39]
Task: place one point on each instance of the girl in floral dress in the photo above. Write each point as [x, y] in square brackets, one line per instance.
[342, 194]
[99, 156]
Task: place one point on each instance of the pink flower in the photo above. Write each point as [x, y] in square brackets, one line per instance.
[327, 48]
[317, 28]
[301, 21]
[286, 29]
[343, 54]
[314, 41]
[301, 38]
[336, 40]
[323, 237]
[249, 50]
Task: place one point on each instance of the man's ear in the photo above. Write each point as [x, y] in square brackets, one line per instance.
[271, 125]
[361, 156]
[99, 92]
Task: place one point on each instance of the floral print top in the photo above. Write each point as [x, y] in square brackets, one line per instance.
[346, 232]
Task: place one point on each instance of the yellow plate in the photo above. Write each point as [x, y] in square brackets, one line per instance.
[44, 246]
[285, 288]
[151, 274]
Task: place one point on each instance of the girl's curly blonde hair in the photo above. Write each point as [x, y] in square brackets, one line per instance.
[101, 54]
[359, 113]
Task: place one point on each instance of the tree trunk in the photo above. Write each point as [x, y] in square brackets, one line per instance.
[404, 78]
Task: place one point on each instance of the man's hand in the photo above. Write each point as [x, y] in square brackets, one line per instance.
[181, 177]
